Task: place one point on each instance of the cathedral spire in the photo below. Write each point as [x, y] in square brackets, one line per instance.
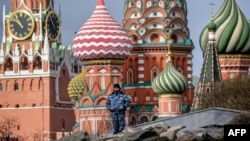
[100, 2]
[210, 74]
[40, 14]
[3, 39]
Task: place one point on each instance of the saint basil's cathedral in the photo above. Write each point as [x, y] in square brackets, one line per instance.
[133, 56]
[53, 90]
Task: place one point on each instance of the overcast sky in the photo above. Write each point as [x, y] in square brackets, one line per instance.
[74, 14]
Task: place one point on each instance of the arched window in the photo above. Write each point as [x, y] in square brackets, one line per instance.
[154, 74]
[9, 65]
[37, 63]
[208, 90]
[144, 119]
[134, 39]
[40, 85]
[31, 84]
[63, 124]
[24, 63]
[130, 77]
[175, 38]
[16, 87]
[1, 87]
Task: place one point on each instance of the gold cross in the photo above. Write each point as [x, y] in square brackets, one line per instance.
[212, 7]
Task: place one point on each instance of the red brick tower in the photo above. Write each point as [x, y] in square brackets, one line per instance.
[35, 71]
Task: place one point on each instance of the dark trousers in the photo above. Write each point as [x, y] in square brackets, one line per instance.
[118, 120]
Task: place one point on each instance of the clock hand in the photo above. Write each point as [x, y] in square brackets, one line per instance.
[52, 22]
[18, 21]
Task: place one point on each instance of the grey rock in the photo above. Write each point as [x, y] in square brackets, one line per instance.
[171, 132]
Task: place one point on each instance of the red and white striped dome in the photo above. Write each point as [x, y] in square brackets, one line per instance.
[101, 37]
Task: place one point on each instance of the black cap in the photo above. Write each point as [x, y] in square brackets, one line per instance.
[117, 86]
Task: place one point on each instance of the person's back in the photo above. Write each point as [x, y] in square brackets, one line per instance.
[117, 103]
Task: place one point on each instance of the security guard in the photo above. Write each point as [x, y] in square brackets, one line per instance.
[117, 103]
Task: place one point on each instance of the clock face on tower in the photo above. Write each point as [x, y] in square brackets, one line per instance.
[21, 24]
[52, 24]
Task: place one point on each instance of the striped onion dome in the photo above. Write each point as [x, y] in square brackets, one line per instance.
[169, 81]
[101, 37]
[233, 30]
[76, 85]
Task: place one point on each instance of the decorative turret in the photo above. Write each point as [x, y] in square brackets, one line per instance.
[102, 45]
[210, 73]
[169, 85]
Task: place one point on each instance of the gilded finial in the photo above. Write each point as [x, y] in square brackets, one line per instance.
[169, 41]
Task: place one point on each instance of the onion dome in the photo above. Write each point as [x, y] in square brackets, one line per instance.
[169, 81]
[77, 85]
[101, 37]
[211, 26]
[233, 30]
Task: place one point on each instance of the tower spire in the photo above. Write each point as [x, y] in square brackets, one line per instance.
[100, 2]
[210, 74]
[3, 38]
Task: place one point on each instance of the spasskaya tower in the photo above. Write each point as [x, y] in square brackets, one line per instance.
[35, 70]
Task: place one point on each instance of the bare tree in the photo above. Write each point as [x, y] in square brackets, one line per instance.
[8, 126]
[232, 94]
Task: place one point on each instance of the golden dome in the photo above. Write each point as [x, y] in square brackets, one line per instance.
[76, 85]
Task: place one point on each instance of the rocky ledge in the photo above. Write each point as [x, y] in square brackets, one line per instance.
[163, 132]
